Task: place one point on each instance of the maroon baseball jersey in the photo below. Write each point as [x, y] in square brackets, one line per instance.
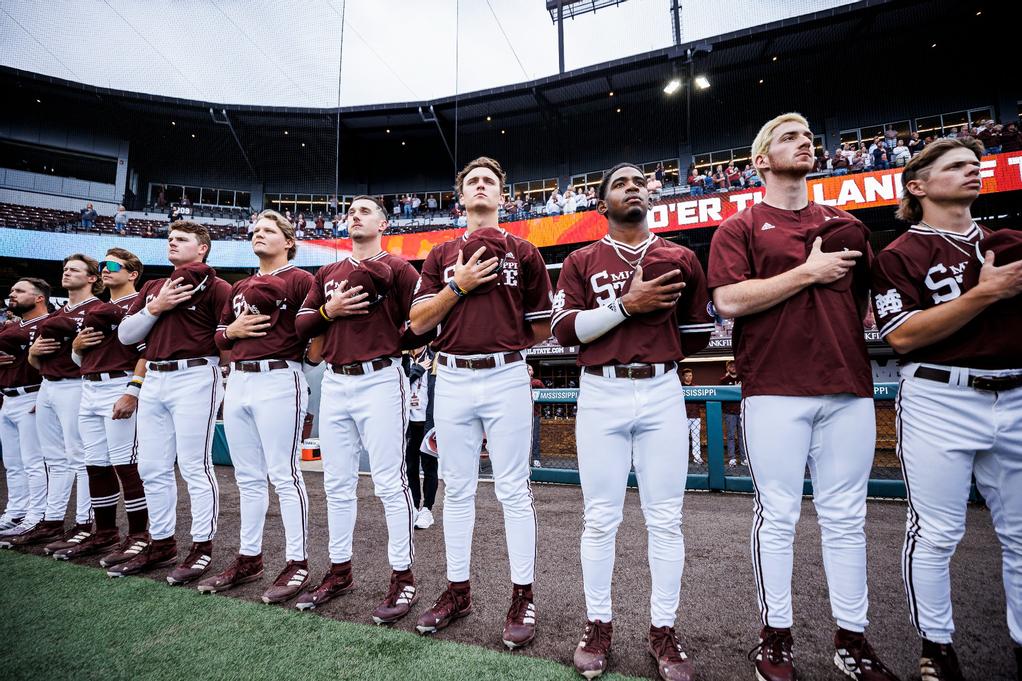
[498, 320]
[596, 274]
[187, 330]
[111, 354]
[924, 268]
[359, 338]
[813, 342]
[281, 340]
[21, 373]
[60, 364]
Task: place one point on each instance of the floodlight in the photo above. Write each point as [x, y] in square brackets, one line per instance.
[672, 87]
[702, 82]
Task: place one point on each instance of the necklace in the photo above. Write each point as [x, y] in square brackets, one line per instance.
[642, 252]
[950, 241]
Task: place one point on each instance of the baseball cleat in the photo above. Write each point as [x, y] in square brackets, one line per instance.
[73, 537]
[401, 596]
[289, 583]
[451, 605]
[42, 531]
[7, 536]
[855, 657]
[156, 554]
[94, 543]
[593, 650]
[773, 655]
[9, 523]
[195, 564]
[242, 570]
[939, 662]
[520, 625]
[672, 662]
[338, 580]
[128, 548]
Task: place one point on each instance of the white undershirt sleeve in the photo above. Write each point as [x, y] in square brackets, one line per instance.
[135, 328]
[591, 324]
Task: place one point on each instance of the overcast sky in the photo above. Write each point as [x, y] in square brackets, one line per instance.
[286, 53]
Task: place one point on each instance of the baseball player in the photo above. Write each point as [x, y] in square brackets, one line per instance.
[490, 293]
[264, 407]
[360, 308]
[946, 297]
[793, 274]
[178, 402]
[111, 377]
[636, 305]
[695, 421]
[20, 384]
[57, 406]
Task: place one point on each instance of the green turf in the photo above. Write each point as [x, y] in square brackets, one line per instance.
[59, 620]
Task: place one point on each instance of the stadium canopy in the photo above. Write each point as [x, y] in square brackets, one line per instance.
[296, 54]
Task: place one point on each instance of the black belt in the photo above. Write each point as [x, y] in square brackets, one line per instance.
[104, 376]
[22, 390]
[641, 371]
[992, 383]
[479, 362]
[257, 366]
[358, 368]
[175, 364]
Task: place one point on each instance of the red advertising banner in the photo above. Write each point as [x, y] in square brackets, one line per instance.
[1000, 173]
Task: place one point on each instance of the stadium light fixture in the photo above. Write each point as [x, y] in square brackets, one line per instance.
[388, 131]
[702, 82]
[193, 135]
[619, 110]
[285, 132]
[173, 122]
[774, 59]
[503, 132]
[610, 94]
[488, 119]
[402, 143]
[303, 144]
[933, 45]
[672, 86]
[760, 81]
[38, 101]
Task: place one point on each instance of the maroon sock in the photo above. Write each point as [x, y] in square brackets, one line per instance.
[104, 492]
[134, 498]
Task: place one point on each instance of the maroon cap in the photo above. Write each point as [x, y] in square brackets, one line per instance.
[103, 318]
[843, 234]
[198, 274]
[14, 339]
[656, 264]
[1007, 247]
[59, 328]
[493, 241]
[264, 295]
[375, 278]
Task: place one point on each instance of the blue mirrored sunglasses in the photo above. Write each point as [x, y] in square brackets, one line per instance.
[110, 266]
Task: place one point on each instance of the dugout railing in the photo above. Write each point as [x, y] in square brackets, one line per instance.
[559, 462]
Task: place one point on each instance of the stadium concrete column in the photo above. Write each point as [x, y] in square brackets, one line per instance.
[121, 181]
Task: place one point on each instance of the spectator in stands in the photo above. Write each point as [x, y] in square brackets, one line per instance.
[695, 422]
[880, 161]
[416, 205]
[915, 144]
[185, 201]
[733, 176]
[591, 199]
[554, 204]
[900, 154]
[290, 218]
[659, 173]
[570, 201]
[867, 157]
[121, 221]
[301, 224]
[406, 207]
[750, 177]
[161, 199]
[990, 136]
[890, 138]
[320, 223]
[654, 186]
[1011, 138]
[431, 205]
[89, 216]
[839, 162]
[719, 179]
[732, 418]
[300, 230]
[252, 220]
[858, 162]
[696, 182]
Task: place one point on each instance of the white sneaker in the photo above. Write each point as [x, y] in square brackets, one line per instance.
[732, 463]
[424, 519]
[536, 463]
[7, 522]
[697, 460]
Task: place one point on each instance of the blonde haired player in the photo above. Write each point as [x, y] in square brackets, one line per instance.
[772, 270]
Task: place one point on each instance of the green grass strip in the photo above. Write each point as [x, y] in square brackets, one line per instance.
[60, 620]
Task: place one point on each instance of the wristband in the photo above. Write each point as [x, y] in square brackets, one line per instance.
[458, 291]
[619, 305]
[322, 312]
[134, 386]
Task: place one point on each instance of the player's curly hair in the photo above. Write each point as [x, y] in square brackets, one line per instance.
[285, 227]
[91, 268]
[910, 208]
[601, 192]
[482, 162]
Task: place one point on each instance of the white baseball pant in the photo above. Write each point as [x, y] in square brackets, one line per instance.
[623, 421]
[177, 414]
[496, 401]
[61, 443]
[836, 436]
[263, 417]
[946, 434]
[107, 442]
[23, 460]
[694, 428]
[367, 412]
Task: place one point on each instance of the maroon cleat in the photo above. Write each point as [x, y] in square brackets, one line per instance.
[289, 583]
[520, 625]
[454, 603]
[242, 570]
[939, 662]
[73, 537]
[45, 531]
[128, 548]
[94, 543]
[594, 648]
[672, 663]
[338, 580]
[855, 657]
[158, 553]
[195, 564]
[401, 596]
[773, 656]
